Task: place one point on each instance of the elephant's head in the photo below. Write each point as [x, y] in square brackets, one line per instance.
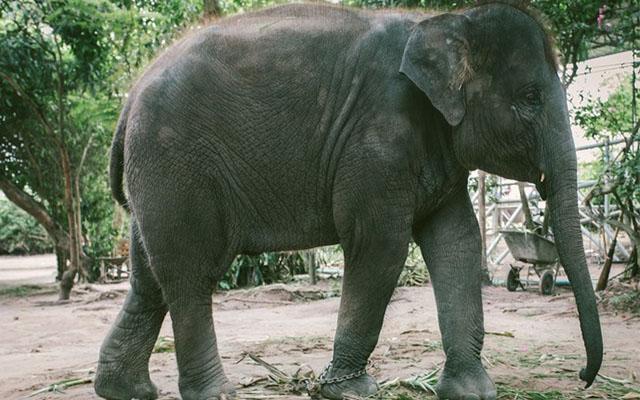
[491, 72]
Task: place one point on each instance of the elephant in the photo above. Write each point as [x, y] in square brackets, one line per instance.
[305, 125]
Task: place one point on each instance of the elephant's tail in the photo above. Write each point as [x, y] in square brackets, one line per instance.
[116, 164]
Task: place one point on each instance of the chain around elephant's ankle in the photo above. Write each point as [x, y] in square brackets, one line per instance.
[322, 379]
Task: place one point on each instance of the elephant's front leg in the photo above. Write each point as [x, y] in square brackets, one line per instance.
[373, 261]
[450, 244]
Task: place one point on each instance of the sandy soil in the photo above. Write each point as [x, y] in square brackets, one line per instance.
[533, 342]
[18, 270]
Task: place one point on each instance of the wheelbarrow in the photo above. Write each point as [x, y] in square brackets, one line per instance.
[540, 256]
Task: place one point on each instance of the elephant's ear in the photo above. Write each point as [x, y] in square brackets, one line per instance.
[436, 60]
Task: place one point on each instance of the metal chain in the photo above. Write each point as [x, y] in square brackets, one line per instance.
[322, 380]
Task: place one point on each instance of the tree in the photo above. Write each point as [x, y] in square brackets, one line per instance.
[20, 233]
[582, 28]
[63, 64]
[612, 119]
[39, 75]
[589, 28]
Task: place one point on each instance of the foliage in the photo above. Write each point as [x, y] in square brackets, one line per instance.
[583, 28]
[589, 28]
[64, 69]
[607, 120]
[415, 271]
[493, 190]
[590, 170]
[238, 6]
[53, 61]
[97, 115]
[265, 268]
[428, 4]
[414, 275]
[625, 301]
[19, 233]
[165, 344]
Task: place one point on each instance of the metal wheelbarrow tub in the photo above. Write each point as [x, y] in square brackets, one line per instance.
[530, 247]
[537, 251]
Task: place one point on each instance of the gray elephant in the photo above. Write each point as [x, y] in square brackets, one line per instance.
[309, 125]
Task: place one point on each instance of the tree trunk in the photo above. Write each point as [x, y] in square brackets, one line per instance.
[634, 272]
[62, 255]
[310, 260]
[82, 259]
[482, 220]
[68, 277]
[606, 269]
[212, 9]
[528, 219]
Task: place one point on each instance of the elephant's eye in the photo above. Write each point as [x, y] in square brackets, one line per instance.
[532, 96]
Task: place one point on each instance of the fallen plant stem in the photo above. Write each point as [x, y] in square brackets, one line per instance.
[284, 303]
[277, 373]
[614, 380]
[303, 380]
[62, 385]
[505, 334]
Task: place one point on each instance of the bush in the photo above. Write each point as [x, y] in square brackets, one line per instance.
[20, 233]
[415, 271]
[265, 268]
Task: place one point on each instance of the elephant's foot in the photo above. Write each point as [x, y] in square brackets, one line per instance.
[466, 383]
[335, 388]
[114, 382]
[218, 389]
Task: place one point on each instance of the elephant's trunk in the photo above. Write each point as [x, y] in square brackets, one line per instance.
[561, 186]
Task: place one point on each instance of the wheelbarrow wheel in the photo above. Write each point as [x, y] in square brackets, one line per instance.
[547, 282]
[513, 280]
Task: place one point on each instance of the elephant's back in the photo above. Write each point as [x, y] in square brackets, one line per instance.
[295, 40]
[260, 104]
[254, 75]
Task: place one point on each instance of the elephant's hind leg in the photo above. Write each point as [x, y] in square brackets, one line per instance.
[201, 373]
[123, 369]
[187, 253]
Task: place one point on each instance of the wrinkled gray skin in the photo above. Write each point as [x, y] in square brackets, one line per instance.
[305, 125]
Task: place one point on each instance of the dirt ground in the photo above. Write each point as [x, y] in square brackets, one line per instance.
[533, 342]
[20, 270]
